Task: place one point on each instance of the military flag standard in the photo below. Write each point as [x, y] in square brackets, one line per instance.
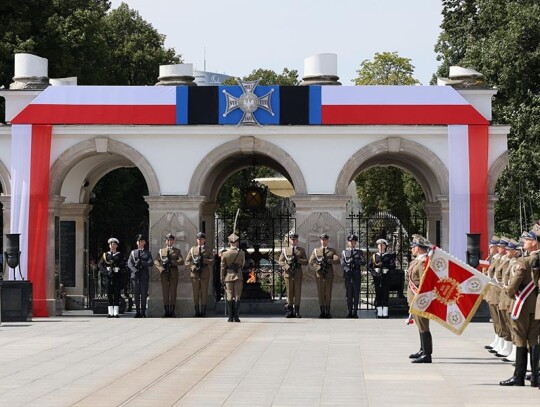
[450, 291]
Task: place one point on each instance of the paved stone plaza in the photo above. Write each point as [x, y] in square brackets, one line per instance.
[263, 361]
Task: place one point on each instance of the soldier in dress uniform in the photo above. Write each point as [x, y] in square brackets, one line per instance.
[292, 259]
[200, 258]
[322, 260]
[168, 259]
[111, 265]
[380, 265]
[504, 328]
[493, 256]
[522, 290]
[352, 259]
[232, 262]
[139, 261]
[419, 249]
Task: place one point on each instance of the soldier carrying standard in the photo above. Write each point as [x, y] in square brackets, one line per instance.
[322, 260]
[351, 261]
[292, 259]
[199, 259]
[167, 262]
[232, 262]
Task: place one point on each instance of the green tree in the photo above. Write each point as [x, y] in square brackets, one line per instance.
[386, 68]
[269, 77]
[388, 189]
[502, 40]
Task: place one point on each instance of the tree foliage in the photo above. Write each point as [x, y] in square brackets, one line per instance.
[82, 38]
[388, 189]
[269, 77]
[501, 39]
[386, 68]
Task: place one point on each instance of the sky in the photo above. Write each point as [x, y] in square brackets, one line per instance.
[243, 35]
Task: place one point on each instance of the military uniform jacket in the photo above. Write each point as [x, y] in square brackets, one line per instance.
[318, 257]
[523, 276]
[111, 263]
[144, 257]
[382, 263]
[286, 258]
[416, 271]
[173, 254]
[498, 276]
[352, 260]
[491, 274]
[505, 303]
[194, 256]
[232, 262]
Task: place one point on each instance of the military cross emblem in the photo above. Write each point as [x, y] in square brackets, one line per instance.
[248, 102]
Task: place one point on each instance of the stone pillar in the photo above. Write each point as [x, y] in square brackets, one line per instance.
[492, 200]
[316, 214]
[5, 200]
[445, 221]
[179, 215]
[78, 213]
[53, 268]
[433, 214]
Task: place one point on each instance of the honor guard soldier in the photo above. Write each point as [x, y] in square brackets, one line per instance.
[525, 327]
[291, 260]
[139, 261]
[111, 265]
[351, 261]
[199, 259]
[322, 260]
[380, 266]
[168, 260]
[493, 256]
[232, 262]
[419, 249]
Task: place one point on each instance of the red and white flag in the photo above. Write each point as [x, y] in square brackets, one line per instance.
[450, 291]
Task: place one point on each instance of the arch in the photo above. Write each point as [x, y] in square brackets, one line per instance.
[78, 152]
[5, 179]
[234, 155]
[408, 155]
[496, 170]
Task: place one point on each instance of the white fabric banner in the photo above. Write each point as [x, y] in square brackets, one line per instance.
[459, 201]
[21, 153]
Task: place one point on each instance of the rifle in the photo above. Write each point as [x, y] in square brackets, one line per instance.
[166, 262]
[139, 268]
[293, 264]
[199, 264]
[324, 263]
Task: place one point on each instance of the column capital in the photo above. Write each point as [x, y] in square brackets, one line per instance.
[73, 209]
[5, 200]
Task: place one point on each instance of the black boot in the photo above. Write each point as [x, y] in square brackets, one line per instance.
[327, 315]
[535, 354]
[428, 349]
[203, 311]
[236, 310]
[138, 313]
[197, 312]
[350, 313]
[171, 311]
[297, 311]
[420, 352]
[518, 379]
[290, 312]
[143, 313]
[166, 314]
[323, 312]
[230, 310]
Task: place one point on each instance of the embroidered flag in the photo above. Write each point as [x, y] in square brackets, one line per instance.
[450, 291]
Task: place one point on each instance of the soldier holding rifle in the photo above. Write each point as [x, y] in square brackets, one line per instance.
[111, 265]
[322, 260]
[199, 259]
[232, 262]
[139, 262]
[167, 262]
[292, 259]
[351, 261]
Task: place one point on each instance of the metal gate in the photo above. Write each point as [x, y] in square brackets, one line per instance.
[397, 230]
[263, 234]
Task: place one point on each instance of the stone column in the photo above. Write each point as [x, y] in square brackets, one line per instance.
[433, 214]
[53, 308]
[179, 215]
[445, 220]
[78, 213]
[5, 200]
[316, 214]
[492, 200]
